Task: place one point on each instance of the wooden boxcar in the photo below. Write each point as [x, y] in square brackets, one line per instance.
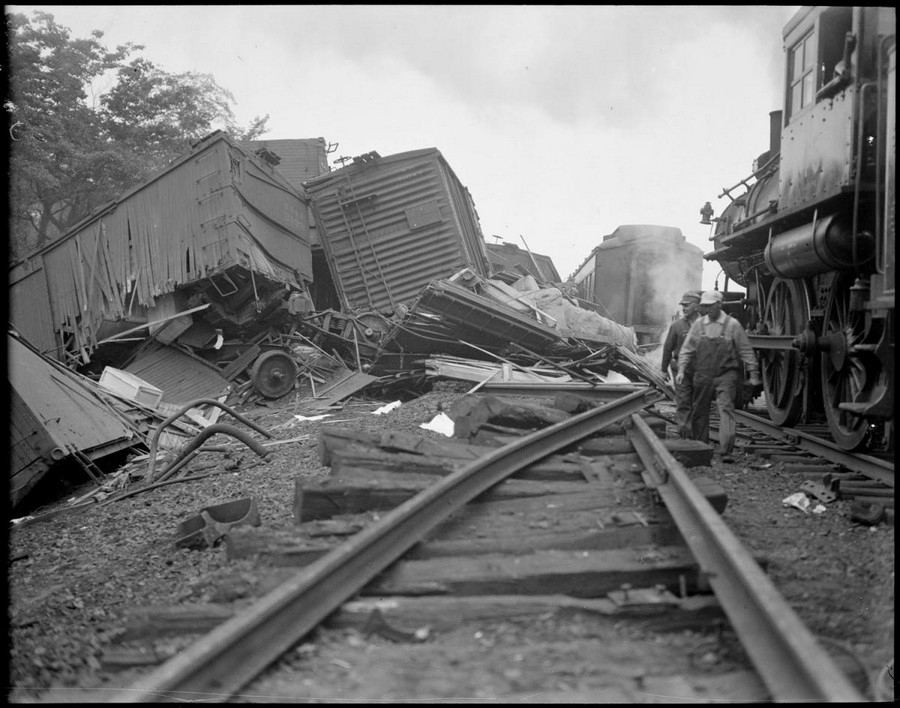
[218, 227]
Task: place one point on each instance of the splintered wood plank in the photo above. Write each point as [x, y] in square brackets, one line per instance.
[576, 573]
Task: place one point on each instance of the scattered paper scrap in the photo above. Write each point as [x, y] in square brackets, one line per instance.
[614, 377]
[441, 423]
[798, 500]
[387, 408]
[313, 417]
[819, 509]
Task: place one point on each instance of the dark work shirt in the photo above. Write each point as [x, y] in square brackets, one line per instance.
[674, 339]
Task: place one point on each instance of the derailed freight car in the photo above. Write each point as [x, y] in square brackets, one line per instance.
[637, 275]
[216, 243]
[391, 225]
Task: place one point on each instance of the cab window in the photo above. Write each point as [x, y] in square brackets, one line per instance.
[802, 77]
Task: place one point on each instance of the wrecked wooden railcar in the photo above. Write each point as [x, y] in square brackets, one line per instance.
[390, 225]
[216, 243]
[508, 258]
[56, 414]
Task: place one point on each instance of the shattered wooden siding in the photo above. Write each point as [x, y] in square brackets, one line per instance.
[391, 225]
[212, 209]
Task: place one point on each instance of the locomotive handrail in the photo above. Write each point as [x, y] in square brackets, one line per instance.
[772, 207]
[726, 190]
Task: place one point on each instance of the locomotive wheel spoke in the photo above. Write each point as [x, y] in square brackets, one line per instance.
[844, 374]
[786, 313]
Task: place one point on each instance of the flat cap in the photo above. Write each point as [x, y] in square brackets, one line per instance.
[711, 297]
[690, 296]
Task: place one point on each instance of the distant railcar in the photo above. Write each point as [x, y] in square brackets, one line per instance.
[218, 230]
[810, 232]
[637, 275]
[390, 225]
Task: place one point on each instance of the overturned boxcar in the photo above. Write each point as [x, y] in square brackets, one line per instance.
[55, 414]
[215, 243]
[391, 225]
[637, 275]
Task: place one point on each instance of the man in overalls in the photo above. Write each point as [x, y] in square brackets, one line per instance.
[714, 347]
[684, 392]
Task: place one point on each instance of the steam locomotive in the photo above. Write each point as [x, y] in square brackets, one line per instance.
[810, 233]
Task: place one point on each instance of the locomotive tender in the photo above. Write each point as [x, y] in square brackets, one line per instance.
[810, 236]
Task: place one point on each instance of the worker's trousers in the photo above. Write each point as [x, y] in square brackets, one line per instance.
[684, 395]
[724, 388]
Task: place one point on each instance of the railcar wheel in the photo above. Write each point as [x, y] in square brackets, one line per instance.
[786, 313]
[273, 374]
[844, 372]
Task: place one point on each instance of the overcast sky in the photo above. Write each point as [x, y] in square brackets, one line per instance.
[563, 122]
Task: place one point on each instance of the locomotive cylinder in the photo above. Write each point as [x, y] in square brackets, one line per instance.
[816, 248]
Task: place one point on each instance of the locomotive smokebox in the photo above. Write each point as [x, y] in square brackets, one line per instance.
[818, 247]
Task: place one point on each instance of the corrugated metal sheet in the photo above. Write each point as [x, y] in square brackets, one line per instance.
[509, 257]
[53, 408]
[390, 225]
[181, 377]
[214, 208]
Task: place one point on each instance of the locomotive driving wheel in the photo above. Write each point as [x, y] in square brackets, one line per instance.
[273, 374]
[845, 375]
[786, 313]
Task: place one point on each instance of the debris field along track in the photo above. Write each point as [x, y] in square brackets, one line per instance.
[812, 442]
[660, 564]
[831, 473]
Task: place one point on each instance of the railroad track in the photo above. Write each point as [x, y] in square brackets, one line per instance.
[813, 442]
[521, 531]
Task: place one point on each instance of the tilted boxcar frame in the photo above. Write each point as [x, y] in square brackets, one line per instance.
[215, 212]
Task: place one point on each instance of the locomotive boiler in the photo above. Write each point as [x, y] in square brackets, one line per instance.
[810, 232]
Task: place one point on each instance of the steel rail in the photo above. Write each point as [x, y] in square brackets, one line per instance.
[881, 470]
[784, 652]
[235, 652]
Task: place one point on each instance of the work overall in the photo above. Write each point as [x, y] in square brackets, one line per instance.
[710, 378]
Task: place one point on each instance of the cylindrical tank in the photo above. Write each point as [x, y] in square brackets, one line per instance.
[817, 247]
[640, 272]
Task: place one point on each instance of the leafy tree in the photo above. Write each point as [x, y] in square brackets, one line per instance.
[71, 151]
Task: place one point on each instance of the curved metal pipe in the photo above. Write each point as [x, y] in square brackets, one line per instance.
[207, 433]
[187, 406]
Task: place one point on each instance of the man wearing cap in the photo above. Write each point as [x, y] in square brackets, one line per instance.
[715, 346]
[671, 348]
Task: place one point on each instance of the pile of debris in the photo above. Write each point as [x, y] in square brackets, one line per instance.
[272, 289]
